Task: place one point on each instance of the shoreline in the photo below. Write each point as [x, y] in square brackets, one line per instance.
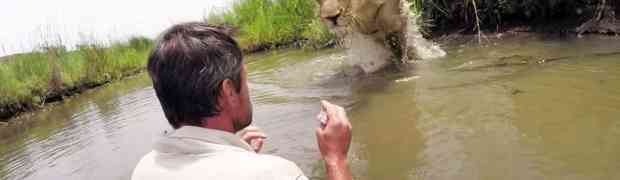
[15, 110]
[551, 30]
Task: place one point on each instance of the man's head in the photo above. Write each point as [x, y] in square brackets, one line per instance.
[198, 73]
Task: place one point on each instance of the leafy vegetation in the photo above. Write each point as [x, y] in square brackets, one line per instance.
[268, 23]
[52, 70]
[494, 14]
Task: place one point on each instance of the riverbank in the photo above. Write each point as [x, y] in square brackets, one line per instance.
[53, 72]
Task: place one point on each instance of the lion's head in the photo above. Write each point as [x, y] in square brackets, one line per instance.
[388, 23]
[370, 17]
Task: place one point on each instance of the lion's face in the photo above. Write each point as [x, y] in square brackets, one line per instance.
[370, 17]
[334, 14]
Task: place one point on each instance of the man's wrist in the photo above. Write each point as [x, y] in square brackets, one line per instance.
[337, 169]
[339, 162]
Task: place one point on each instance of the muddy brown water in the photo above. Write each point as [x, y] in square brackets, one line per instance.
[552, 120]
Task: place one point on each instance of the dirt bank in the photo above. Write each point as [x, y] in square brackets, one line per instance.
[8, 111]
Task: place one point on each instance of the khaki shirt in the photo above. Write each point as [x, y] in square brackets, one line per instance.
[199, 153]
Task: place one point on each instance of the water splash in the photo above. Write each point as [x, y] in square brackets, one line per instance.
[424, 48]
[370, 54]
[366, 53]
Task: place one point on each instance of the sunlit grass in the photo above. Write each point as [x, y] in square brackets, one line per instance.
[271, 23]
[28, 78]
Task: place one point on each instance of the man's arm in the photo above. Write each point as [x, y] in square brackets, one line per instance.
[334, 137]
[337, 170]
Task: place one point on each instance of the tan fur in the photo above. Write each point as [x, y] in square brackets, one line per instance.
[387, 24]
[370, 17]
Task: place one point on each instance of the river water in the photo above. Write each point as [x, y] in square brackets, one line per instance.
[474, 114]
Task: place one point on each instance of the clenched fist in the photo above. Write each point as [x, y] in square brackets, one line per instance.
[334, 135]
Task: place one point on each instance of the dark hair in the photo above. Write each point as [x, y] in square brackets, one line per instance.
[187, 66]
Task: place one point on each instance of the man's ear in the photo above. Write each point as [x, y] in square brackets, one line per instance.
[227, 91]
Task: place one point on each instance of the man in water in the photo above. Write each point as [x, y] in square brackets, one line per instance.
[201, 82]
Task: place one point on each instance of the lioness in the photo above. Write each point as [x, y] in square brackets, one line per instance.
[371, 17]
[381, 21]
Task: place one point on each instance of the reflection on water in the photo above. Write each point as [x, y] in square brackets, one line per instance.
[556, 120]
[92, 136]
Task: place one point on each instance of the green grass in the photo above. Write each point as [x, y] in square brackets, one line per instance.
[274, 22]
[30, 77]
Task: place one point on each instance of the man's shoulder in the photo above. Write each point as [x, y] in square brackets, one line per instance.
[280, 167]
[224, 164]
[275, 161]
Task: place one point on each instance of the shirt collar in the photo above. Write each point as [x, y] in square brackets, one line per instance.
[210, 136]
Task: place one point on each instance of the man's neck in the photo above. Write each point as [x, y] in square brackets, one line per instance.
[220, 122]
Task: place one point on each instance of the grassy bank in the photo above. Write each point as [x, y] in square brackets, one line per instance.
[264, 24]
[47, 74]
